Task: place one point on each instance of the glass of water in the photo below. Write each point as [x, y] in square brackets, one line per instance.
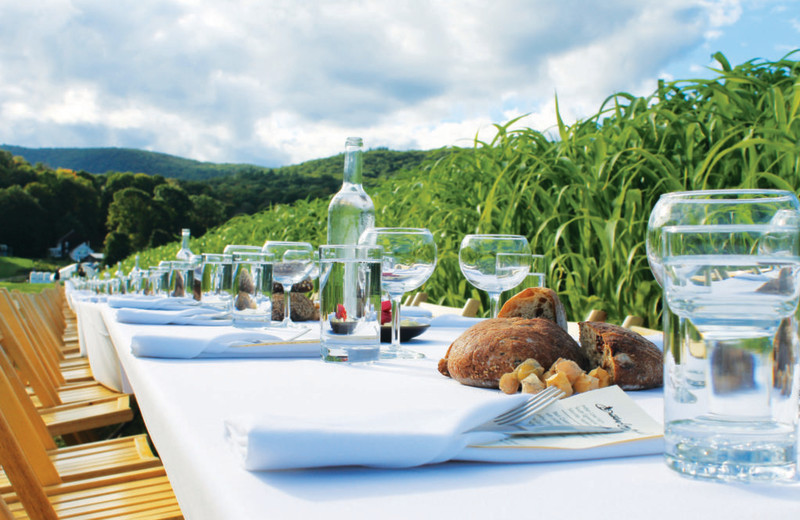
[409, 258]
[730, 268]
[495, 263]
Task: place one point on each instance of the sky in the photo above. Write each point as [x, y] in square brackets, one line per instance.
[278, 82]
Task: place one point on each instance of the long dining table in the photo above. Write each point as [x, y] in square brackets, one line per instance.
[185, 402]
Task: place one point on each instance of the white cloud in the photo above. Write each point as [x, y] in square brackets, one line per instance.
[281, 81]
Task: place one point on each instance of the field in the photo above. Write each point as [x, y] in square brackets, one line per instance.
[583, 199]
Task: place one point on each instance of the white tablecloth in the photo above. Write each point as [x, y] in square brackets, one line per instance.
[184, 403]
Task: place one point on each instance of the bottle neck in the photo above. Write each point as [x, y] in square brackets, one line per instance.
[353, 162]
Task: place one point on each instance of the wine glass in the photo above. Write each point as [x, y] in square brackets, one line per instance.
[495, 263]
[409, 258]
[293, 263]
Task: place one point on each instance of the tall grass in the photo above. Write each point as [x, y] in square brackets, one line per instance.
[583, 199]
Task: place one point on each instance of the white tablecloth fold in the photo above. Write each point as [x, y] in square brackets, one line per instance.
[387, 439]
[138, 301]
[189, 316]
[280, 344]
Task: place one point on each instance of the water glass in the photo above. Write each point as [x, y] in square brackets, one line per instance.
[181, 279]
[350, 323]
[294, 261]
[251, 286]
[730, 268]
[217, 281]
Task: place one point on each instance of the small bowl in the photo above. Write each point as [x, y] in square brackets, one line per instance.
[343, 327]
[407, 332]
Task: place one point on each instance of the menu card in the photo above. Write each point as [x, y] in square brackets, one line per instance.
[609, 406]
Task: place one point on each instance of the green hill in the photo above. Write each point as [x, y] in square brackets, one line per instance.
[102, 160]
[378, 163]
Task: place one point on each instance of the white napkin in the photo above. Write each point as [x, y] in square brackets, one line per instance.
[389, 439]
[454, 321]
[190, 316]
[229, 345]
[418, 313]
[138, 301]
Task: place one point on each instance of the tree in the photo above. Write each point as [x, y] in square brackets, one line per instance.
[117, 247]
[24, 219]
[177, 205]
[206, 213]
[136, 214]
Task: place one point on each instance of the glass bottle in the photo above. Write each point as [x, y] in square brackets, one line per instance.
[185, 254]
[351, 211]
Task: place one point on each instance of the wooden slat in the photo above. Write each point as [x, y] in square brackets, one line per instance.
[28, 489]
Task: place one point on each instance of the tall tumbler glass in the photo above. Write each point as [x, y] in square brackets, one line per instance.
[217, 281]
[350, 328]
[730, 268]
[251, 287]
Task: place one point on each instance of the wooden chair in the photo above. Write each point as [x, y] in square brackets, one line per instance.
[71, 463]
[39, 490]
[70, 418]
[51, 348]
[469, 310]
[37, 366]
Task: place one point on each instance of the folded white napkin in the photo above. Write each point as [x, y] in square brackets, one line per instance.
[454, 321]
[281, 344]
[189, 316]
[408, 312]
[388, 439]
[139, 301]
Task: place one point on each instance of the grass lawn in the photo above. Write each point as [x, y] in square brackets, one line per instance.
[26, 287]
[14, 272]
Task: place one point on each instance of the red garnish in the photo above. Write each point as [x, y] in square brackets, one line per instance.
[341, 313]
[386, 312]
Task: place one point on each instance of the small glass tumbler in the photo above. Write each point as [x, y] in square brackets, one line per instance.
[350, 325]
[217, 281]
[251, 287]
[731, 274]
[181, 279]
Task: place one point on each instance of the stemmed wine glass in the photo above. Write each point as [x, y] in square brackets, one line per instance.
[293, 263]
[495, 263]
[409, 258]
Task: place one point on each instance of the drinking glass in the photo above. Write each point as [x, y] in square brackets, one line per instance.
[293, 263]
[495, 263]
[729, 264]
[350, 328]
[251, 286]
[217, 281]
[409, 258]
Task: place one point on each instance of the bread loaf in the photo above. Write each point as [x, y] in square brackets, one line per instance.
[633, 362]
[535, 302]
[493, 347]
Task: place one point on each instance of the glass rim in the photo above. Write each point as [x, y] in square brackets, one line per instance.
[493, 235]
[398, 230]
[706, 195]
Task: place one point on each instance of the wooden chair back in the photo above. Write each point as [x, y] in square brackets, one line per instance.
[27, 485]
[17, 344]
[27, 432]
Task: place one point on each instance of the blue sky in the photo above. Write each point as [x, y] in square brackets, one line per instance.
[277, 82]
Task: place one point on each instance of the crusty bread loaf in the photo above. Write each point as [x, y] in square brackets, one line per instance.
[493, 347]
[633, 362]
[535, 302]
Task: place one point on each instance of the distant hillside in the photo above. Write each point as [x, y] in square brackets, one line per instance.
[102, 160]
[379, 163]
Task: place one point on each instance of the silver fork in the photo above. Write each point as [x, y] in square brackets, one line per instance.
[513, 421]
[522, 411]
[538, 402]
